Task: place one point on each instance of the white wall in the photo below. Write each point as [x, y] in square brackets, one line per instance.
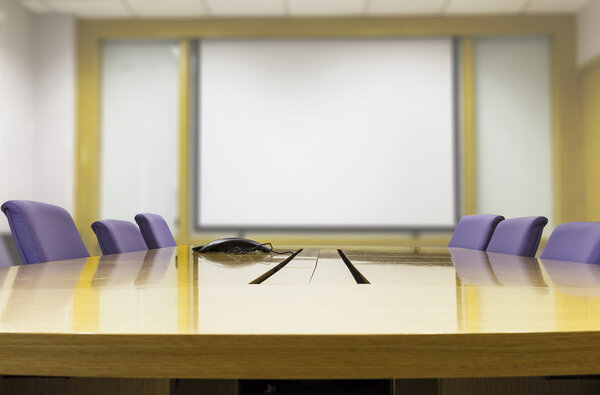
[54, 108]
[16, 104]
[37, 80]
[588, 32]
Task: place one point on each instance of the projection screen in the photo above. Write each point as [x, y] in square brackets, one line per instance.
[326, 134]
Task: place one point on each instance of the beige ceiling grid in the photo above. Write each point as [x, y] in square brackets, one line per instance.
[297, 8]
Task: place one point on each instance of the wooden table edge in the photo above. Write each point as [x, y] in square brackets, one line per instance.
[300, 356]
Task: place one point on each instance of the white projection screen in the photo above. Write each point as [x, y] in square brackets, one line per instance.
[326, 134]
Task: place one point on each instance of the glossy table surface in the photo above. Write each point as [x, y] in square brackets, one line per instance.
[423, 312]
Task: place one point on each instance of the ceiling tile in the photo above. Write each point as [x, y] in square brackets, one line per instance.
[252, 8]
[167, 9]
[405, 7]
[550, 6]
[246, 7]
[37, 6]
[485, 6]
[90, 8]
[326, 7]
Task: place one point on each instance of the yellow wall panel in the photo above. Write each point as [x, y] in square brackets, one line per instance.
[591, 130]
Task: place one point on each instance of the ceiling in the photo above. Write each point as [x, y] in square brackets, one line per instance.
[297, 8]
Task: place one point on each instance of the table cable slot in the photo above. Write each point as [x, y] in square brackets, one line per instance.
[358, 277]
[274, 270]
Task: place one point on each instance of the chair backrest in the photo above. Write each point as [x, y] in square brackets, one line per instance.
[575, 242]
[518, 236]
[475, 231]
[115, 236]
[155, 231]
[43, 232]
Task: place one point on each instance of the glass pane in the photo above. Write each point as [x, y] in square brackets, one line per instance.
[139, 132]
[513, 127]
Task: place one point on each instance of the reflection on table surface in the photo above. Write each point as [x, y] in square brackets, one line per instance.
[411, 290]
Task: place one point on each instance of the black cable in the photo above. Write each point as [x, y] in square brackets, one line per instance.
[283, 252]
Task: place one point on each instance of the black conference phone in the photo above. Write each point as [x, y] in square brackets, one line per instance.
[235, 245]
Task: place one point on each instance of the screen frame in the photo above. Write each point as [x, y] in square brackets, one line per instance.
[196, 139]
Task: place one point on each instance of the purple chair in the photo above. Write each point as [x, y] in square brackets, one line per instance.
[43, 232]
[475, 231]
[116, 237]
[518, 236]
[155, 231]
[575, 242]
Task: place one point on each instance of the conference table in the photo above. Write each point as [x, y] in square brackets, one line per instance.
[319, 313]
